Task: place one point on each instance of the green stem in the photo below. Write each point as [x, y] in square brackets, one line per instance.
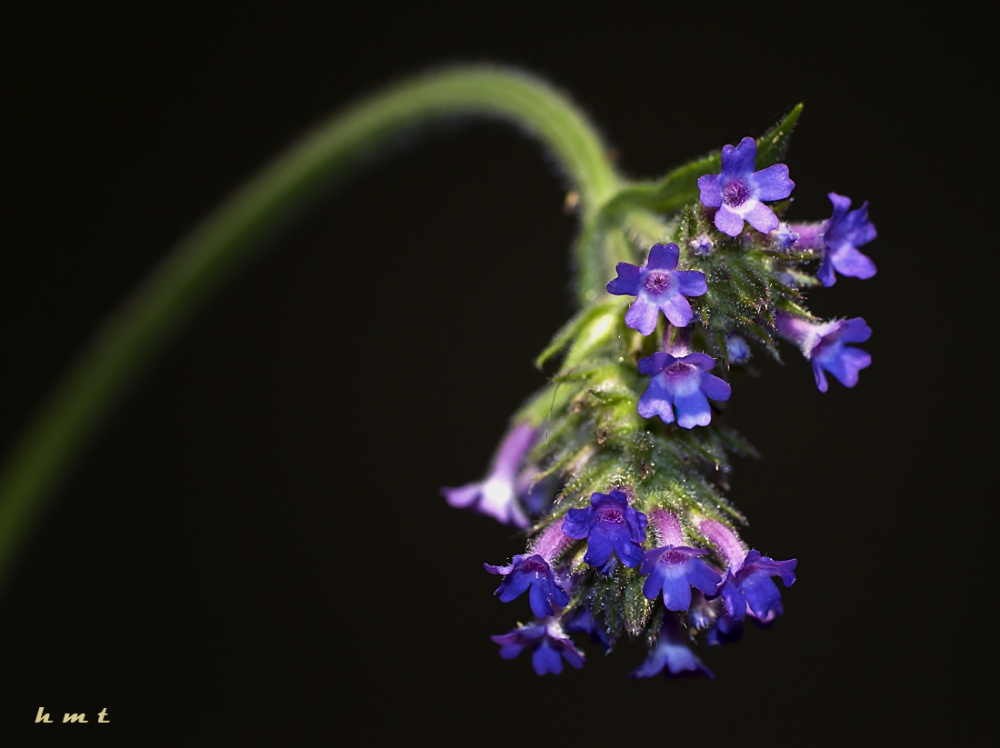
[202, 262]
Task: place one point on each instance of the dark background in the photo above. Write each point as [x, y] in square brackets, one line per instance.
[254, 548]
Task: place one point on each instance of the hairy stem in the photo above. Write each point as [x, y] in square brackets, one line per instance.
[201, 263]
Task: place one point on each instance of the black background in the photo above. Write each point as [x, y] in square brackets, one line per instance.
[254, 549]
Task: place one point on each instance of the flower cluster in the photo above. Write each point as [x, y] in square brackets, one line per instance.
[618, 468]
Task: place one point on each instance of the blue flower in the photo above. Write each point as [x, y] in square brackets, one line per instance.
[582, 619]
[824, 344]
[609, 524]
[701, 245]
[549, 645]
[749, 587]
[657, 285]
[497, 494]
[683, 383]
[738, 190]
[670, 656]
[674, 570]
[547, 595]
[784, 237]
[845, 232]
[737, 349]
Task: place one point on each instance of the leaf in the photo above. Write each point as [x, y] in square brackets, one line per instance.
[566, 334]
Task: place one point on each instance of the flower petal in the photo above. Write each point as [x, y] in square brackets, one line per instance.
[739, 161]
[711, 192]
[627, 282]
[850, 262]
[642, 316]
[762, 218]
[773, 183]
[693, 410]
[655, 401]
[728, 222]
[663, 257]
[677, 309]
[715, 388]
[691, 282]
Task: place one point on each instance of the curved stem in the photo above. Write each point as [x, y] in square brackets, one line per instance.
[201, 263]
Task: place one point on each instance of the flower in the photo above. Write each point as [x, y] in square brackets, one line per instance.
[737, 349]
[497, 494]
[609, 524]
[582, 619]
[845, 232]
[670, 656]
[682, 382]
[549, 643]
[674, 570]
[701, 245]
[657, 285]
[747, 585]
[824, 345]
[738, 190]
[534, 572]
[784, 237]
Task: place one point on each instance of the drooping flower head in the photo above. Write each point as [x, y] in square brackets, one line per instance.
[610, 525]
[671, 656]
[549, 645]
[747, 586]
[738, 191]
[845, 232]
[682, 383]
[497, 494]
[658, 286]
[674, 568]
[825, 345]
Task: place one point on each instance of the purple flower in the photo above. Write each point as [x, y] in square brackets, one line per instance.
[609, 524]
[657, 285]
[547, 595]
[747, 586]
[701, 245]
[549, 645]
[682, 383]
[738, 191]
[670, 656]
[784, 237]
[582, 619]
[824, 344]
[674, 568]
[497, 494]
[737, 349]
[845, 232]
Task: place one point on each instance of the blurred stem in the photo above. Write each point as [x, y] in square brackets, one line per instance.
[199, 266]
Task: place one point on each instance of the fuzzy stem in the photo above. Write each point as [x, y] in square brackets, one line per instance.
[198, 267]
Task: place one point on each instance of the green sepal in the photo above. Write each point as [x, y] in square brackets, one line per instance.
[635, 607]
